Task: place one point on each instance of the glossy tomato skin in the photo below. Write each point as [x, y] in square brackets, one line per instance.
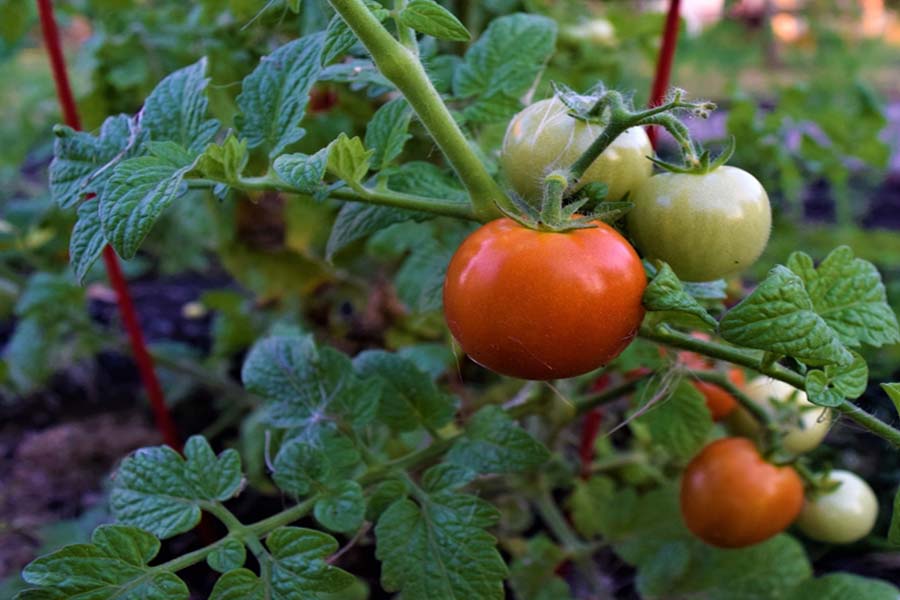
[732, 498]
[843, 515]
[719, 402]
[705, 226]
[542, 305]
[543, 137]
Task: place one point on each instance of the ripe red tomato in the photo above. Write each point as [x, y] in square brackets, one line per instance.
[732, 498]
[544, 305]
[720, 402]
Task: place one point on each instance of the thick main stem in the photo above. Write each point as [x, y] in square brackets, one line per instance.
[404, 70]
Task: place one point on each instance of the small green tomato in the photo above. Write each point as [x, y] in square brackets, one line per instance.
[543, 138]
[805, 424]
[843, 515]
[706, 226]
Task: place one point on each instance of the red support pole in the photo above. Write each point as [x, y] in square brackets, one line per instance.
[163, 417]
[664, 62]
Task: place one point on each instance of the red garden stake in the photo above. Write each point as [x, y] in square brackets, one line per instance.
[164, 423]
[664, 62]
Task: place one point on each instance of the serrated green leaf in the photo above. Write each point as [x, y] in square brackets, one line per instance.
[848, 293]
[176, 109]
[446, 477]
[831, 385]
[842, 586]
[410, 399]
[319, 456]
[494, 443]
[533, 575]
[503, 64]
[679, 421]
[440, 549]
[227, 557]
[303, 384]
[339, 39]
[81, 161]
[224, 162]
[274, 96]
[159, 491]
[592, 508]
[388, 131]
[49, 296]
[87, 241]
[298, 567]
[348, 159]
[778, 317]
[113, 566]
[665, 292]
[385, 494]
[360, 75]
[430, 18]
[357, 220]
[420, 281]
[304, 172]
[341, 507]
[134, 198]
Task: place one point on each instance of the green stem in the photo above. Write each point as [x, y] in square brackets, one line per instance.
[438, 206]
[404, 33]
[404, 70]
[754, 359]
[621, 118]
[719, 379]
[556, 522]
[586, 403]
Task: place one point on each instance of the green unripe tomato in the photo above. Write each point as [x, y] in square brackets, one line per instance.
[706, 226]
[843, 515]
[804, 425]
[543, 138]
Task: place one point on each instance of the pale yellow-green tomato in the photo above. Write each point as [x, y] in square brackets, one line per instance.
[843, 515]
[804, 428]
[543, 138]
[706, 226]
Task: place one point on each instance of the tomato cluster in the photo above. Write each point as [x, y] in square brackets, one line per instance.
[731, 497]
[540, 300]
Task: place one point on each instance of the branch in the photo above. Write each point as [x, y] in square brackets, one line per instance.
[403, 68]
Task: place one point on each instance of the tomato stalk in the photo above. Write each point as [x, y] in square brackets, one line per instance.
[756, 360]
[363, 194]
[404, 69]
[621, 117]
[404, 33]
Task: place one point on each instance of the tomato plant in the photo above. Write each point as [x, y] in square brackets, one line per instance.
[387, 286]
[727, 208]
[841, 515]
[544, 305]
[731, 497]
[545, 137]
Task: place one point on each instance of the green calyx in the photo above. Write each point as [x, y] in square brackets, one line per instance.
[697, 165]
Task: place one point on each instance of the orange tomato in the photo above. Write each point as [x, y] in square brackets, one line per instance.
[732, 498]
[544, 305]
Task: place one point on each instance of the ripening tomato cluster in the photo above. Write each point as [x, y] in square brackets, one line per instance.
[732, 497]
[555, 304]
